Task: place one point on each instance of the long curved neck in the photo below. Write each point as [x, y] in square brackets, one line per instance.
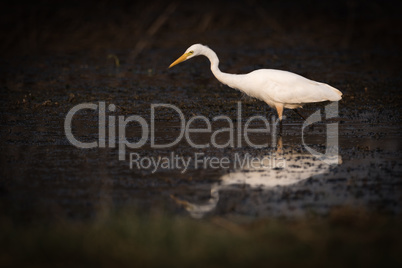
[213, 58]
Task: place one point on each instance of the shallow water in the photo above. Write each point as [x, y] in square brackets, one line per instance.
[50, 63]
[43, 174]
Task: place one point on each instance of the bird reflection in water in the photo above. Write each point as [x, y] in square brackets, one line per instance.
[291, 168]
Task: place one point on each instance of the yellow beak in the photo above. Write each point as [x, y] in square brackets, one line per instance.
[181, 59]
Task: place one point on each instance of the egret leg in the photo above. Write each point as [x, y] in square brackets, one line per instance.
[279, 110]
[299, 113]
[279, 146]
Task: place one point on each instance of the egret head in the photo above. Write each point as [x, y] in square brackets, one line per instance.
[192, 51]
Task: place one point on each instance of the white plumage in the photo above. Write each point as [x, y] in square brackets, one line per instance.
[279, 89]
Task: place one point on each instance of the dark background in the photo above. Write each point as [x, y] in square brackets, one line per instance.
[49, 26]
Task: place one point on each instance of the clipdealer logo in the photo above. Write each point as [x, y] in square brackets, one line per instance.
[108, 124]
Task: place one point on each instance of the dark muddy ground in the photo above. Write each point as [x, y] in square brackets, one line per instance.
[55, 58]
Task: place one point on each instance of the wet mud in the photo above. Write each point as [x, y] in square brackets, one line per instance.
[44, 176]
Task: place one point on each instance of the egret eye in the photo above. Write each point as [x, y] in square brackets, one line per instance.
[191, 52]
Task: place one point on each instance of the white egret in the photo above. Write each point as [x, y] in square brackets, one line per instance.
[279, 89]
